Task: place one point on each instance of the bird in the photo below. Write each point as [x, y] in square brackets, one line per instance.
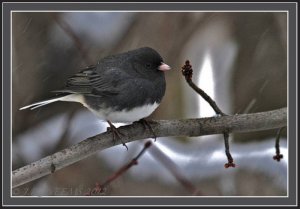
[125, 87]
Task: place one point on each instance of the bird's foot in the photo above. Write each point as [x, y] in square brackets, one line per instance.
[116, 134]
[146, 125]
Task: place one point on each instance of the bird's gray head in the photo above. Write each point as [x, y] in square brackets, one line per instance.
[148, 63]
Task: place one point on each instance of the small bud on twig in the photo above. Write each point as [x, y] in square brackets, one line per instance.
[187, 70]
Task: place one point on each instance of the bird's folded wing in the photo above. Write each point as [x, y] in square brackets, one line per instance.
[92, 83]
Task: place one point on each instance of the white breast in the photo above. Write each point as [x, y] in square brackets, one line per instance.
[132, 115]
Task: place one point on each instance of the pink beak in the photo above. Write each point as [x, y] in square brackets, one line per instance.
[164, 67]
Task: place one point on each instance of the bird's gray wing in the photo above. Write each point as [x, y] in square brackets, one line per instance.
[94, 83]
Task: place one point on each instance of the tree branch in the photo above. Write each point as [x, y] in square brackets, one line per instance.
[185, 127]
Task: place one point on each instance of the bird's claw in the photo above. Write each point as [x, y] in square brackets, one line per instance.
[116, 134]
[146, 125]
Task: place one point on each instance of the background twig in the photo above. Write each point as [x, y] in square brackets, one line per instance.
[78, 43]
[175, 171]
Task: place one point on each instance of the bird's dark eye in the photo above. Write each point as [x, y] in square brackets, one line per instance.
[148, 65]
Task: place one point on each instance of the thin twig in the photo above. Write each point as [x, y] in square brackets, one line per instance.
[227, 152]
[187, 127]
[278, 156]
[100, 187]
[187, 72]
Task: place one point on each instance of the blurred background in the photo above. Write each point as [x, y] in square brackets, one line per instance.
[239, 59]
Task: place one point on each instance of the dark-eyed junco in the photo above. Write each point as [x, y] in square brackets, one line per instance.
[124, 87]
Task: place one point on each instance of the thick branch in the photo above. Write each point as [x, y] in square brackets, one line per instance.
[186, 127]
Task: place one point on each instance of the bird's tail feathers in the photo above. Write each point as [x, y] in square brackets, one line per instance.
[66, 97]
[40, 104]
